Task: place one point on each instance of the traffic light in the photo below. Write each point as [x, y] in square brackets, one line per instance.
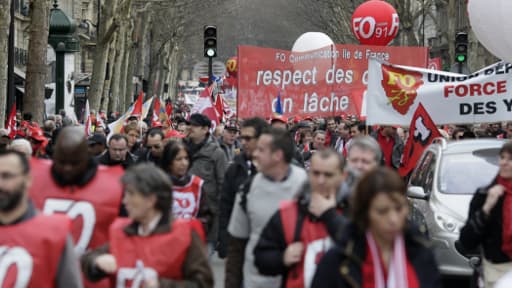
[461, 47]
[210, 41]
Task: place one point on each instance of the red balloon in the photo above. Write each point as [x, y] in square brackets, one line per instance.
[375, 22]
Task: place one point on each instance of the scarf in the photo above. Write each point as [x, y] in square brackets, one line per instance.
[401, 274]
[506, 243]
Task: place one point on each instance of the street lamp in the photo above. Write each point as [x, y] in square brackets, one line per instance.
[62, 38]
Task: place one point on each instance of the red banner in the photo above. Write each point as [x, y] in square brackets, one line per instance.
[326, 82]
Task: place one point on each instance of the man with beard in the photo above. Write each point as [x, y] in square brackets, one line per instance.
[117, 153]
[76, 185]
[36, 250]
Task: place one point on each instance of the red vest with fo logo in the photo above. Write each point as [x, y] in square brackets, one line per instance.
[92, 207]
[186, 199]
[30, 251]
[155, 256]
[316, 242]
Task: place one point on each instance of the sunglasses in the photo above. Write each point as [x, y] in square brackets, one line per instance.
[247, 138]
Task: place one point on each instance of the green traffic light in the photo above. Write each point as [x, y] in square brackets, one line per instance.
[461, 58]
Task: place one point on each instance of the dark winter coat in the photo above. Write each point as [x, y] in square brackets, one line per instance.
[483, 231]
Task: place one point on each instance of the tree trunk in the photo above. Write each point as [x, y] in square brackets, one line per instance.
[173, 72]
[111, 64]
[105, 33]
[36, 66]
[124, 68]
[5, 20]
[116, 71]
[143, 37]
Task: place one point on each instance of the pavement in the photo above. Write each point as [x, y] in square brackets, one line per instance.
[217, 265]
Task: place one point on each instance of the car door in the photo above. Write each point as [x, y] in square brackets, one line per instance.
[423, 176]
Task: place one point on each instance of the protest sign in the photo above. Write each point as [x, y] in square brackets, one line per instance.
[326, 82]
[394, 93]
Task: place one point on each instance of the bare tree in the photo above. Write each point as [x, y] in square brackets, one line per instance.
[5, 20]
[107, 27]
[36, 66]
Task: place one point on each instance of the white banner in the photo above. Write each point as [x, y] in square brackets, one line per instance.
[394, 93]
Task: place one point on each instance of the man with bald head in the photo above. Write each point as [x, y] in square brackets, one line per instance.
[74, 184]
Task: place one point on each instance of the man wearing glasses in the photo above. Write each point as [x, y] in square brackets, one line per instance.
[238, 172]
[154, 146]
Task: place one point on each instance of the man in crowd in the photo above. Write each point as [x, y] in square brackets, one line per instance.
[279, 121]
[357, 129]
[363, 155]
[48, 128]
[228, 141]
[341, 143]
[154, 146]
[317, 144]
[36, 249]
[238, 172]
[132, 132]
[117, 153]
[390, 144]
[76, 185]
[208, 162]
[331, 134]
[281, 250]
[257, 202]
[97, 144]
[21, 145]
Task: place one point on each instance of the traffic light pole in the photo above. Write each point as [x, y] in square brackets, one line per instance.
[210, 71]
[459, 67]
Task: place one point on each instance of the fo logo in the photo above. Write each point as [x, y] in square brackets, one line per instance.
[401, 87]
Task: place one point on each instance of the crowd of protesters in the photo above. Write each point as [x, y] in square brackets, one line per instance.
[288, 202]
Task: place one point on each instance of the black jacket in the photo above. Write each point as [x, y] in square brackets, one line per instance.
[341, 266]
[238, 172]
[483, 231]
[104, 159]
[269, 252]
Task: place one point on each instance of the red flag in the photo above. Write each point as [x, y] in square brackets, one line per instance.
[156, 109]
[11, 122]
[137, 107]
[168, 109]
[421, 133]
[204, 105]
[219, 106]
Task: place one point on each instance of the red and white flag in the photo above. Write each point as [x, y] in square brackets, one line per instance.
[422, 132]
[168, 109]
[88, 120]
[137, 106]
[219, 106]
[11, 122]
[204, 105]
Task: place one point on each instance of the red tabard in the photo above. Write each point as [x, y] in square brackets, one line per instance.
[30, 251]
[155, 256]
[92, 207]
[316, 242]
[187, 198]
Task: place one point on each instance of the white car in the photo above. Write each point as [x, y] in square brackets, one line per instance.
[440, 190]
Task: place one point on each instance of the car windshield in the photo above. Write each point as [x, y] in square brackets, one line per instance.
[463, 173]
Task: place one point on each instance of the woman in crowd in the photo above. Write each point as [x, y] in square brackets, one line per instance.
[187, 188]
[379, 248]
[489, 224]
[138, 253]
